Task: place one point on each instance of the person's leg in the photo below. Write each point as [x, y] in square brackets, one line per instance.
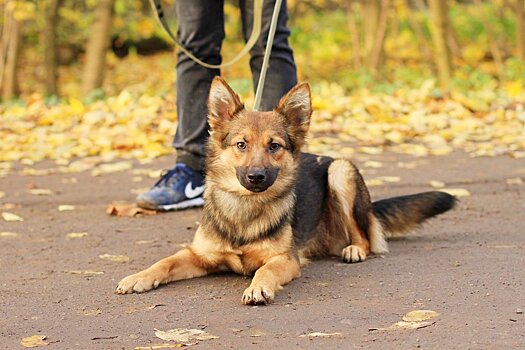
[201, 31]
[282, 74]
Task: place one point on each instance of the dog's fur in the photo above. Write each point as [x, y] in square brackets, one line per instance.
[269, 207]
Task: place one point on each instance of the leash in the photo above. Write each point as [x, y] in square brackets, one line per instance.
[256, 31]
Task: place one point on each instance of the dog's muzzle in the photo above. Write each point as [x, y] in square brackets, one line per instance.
[256, 179]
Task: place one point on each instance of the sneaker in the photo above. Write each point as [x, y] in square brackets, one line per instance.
[178, 188]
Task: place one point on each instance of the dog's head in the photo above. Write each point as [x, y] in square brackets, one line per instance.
[252, 152]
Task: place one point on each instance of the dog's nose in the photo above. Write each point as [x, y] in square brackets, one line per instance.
[256, 176]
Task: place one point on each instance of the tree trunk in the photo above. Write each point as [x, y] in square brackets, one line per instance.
[97, 46]
[439, 13]
[493, 43]
[377, 49]
[351, 8]
[51, 47]
[520, 28]
[371, 14]
[418, 32]
[11, 38]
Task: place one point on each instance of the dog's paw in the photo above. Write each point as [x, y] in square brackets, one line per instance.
[139, 282]
[353, 254]
[259, 294]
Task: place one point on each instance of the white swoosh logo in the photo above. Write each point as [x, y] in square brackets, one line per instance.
[191, 192]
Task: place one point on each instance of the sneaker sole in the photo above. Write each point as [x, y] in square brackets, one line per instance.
[195, 202]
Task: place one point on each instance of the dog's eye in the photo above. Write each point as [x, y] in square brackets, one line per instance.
[274, 147]
[241, 145]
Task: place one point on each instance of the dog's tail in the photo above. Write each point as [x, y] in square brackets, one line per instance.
[398, 215]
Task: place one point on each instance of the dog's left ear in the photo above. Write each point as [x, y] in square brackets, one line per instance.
[223, 103]
[296, 107]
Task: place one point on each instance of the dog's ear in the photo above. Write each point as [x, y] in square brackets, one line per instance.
[223, 103]
[296, 107]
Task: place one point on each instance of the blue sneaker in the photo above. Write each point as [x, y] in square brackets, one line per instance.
[179, 188]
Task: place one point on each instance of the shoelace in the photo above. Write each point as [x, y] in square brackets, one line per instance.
[170, 174]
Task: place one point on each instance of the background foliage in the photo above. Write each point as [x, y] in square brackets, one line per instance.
[398, 104]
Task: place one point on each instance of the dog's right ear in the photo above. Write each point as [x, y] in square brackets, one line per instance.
[223, 103]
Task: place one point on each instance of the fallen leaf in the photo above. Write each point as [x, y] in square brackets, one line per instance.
[407, 325]
[320, 334]
[419, 315]
[40, 191]
[91, 312]
[515, 181]
[373, 164]
[145, 241]
[11, 217]
[458, 192]
[160, 346]
[86, 272]
[8, 234]
[111, 168]
[2, 194]
[34, 341]
[76, 234]
[374, 182]
[390, 179]
[127, 209]
[116, 258]
[66, 207]
[257, 333]
[37, 172]
[184, 335]
[436, 184]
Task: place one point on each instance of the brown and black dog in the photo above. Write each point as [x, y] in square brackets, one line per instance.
[269, 207]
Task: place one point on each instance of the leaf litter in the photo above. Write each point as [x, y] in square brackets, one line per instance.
[34, 341]
[412, 320]
[128, 126]
[184, 335]
[115, 258]
[11, 217]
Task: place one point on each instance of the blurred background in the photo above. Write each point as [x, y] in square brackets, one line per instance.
[86, 78]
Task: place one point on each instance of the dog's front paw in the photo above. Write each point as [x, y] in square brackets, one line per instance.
[258, 294]
[353, 254]
[139, 282]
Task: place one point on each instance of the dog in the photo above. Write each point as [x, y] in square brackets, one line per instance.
[268, 207]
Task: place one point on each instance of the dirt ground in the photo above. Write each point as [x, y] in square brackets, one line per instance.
[468, 265]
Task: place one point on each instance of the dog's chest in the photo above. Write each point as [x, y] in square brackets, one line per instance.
[244, 262]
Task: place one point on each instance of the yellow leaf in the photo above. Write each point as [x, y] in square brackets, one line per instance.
[320, 334]
[76, 234]
[184, 335]
[116, 258]
[373, 164]
[86, 272]
[401, 325]
[374, 182]
[390, 179]
[160, 346]
[111, 168]
[515, 181]
[436, 184]
[2, 194]
[34, 341]
[419, 315]
[40, 191]
[11, 217]
[458, 192]
[77, 107]
[8, 234]
[66, 207]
